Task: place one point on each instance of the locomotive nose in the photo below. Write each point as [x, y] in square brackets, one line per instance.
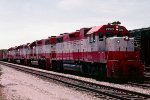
[127, 70]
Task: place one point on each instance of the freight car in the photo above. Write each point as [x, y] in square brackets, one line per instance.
[104, 51]
[142, 41]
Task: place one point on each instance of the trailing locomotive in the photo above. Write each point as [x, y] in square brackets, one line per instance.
[3, 55]
[105, 51]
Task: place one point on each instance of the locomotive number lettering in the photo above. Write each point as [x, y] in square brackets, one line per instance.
[110, 29]
[120, 29]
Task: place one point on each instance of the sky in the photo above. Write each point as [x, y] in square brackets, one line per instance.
[24, 21]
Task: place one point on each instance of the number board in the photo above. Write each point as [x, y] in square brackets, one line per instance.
[110, 29]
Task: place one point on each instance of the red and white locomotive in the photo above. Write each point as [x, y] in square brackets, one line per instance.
[107, 51]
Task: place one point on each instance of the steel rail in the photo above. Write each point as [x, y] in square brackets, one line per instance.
[145, 85]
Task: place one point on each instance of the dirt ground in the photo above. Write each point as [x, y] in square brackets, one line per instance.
[17, 85]
[1, 94]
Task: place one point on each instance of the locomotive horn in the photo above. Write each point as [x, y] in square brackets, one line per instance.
[116, 23]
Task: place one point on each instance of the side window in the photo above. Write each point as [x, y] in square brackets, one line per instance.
[90, 39]
[100, 36]
[94, 37]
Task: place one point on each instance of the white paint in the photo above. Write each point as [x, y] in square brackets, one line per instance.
[119, 43]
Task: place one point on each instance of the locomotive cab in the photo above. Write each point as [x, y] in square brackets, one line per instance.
[122, 60]
[111, 46]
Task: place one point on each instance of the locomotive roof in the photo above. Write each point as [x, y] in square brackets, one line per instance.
[113, 29]
[18, 47]
[32, 44]
[12, 48]
[24, 45]
[94, 29]
[39, 42]
[74, 34]
[51, 40]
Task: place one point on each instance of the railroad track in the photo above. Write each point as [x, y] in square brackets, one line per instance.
[144, 85]
[147, 76]
[98, 89]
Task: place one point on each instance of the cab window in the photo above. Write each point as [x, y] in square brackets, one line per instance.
[109, 35]
[100, 36]
[90, 39]
[119, 35]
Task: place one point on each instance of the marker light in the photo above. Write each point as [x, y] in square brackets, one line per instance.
[117, 28]
[126, 38]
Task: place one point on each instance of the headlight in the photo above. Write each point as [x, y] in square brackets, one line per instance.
[118, 41]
